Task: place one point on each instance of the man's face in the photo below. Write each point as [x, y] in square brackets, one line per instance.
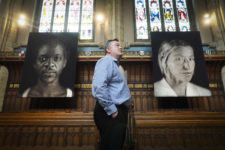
[115, 49]
[50, 63]
[181, 64]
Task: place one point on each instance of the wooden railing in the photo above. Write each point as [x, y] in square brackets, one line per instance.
[180, 131]
[44, 131]
[77, 131]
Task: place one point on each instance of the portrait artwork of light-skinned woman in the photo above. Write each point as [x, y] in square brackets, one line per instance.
[176, 61]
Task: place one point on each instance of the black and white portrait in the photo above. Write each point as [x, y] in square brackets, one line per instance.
[179, 66]
[49, 66]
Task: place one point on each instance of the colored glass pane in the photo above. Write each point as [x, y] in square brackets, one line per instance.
[74, 16]
[183, 20]
[46, 16]
[168, 13]
[154, 13]
[87, 20]
[141, 19]
[59, 16]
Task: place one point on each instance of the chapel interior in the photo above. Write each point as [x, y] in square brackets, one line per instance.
[184, 123]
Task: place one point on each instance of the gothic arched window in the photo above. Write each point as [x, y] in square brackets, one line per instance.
[68, 16]
[160, 15]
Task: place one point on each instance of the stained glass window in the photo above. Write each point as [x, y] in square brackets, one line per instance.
[141, 19]
[86, 20]
[163, 15]
[154, 13]
[183, 20]
[46, 16]
[59, 16]
[168, 14]
[74, 16]
[68, 16]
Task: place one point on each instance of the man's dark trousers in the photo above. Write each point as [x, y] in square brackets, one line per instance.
[112, 130]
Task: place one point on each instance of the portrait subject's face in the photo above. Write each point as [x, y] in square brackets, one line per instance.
[180, 64]
[50, 62]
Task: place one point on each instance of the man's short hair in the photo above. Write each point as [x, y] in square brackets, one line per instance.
[107, 45]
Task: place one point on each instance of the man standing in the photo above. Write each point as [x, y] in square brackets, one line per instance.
[112, 94]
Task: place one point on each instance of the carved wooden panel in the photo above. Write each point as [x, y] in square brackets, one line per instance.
[140, 82]
[157, 123]
[179, 131]
[46, 131]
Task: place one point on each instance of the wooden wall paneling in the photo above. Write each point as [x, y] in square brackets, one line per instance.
[211, 81]
[86, 102]
[79, 73]
[143, 76]
[150, 102]
[6, 101]
[78, 99]
[83, 102]
[136, 100]
[2, 136]
[178, 138]
[87, 133]
[221, 93]
[145, 101]
[92, 101]
[91, 71]
[47, 131]
[149, 71]
[192, 104]
[138, 72]
[73, 136]
[217, 80]
[27, 138]
[202, 106]
[212, 100]
[11, 75]
[86, 73]
[211, 70]
[132, 70]
[155, 104]
[139, 101]
[206, 103]
[11, 101]
[18, 73]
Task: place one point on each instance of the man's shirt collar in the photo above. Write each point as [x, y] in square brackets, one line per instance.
[113, 58]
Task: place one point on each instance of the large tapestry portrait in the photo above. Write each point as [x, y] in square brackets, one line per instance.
[179, 66]
[50, 65]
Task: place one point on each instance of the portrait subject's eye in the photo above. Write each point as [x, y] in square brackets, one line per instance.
[191, 59]
[57, 58]
[43, 59]
[179, 59]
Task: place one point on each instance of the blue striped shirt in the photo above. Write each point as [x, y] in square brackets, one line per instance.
[109, 86]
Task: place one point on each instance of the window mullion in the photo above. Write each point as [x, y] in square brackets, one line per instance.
[176, 15]
[81, 9]
[148, 18]
[53, 13]
[191, 15]
[161, 15]
[66, 15]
